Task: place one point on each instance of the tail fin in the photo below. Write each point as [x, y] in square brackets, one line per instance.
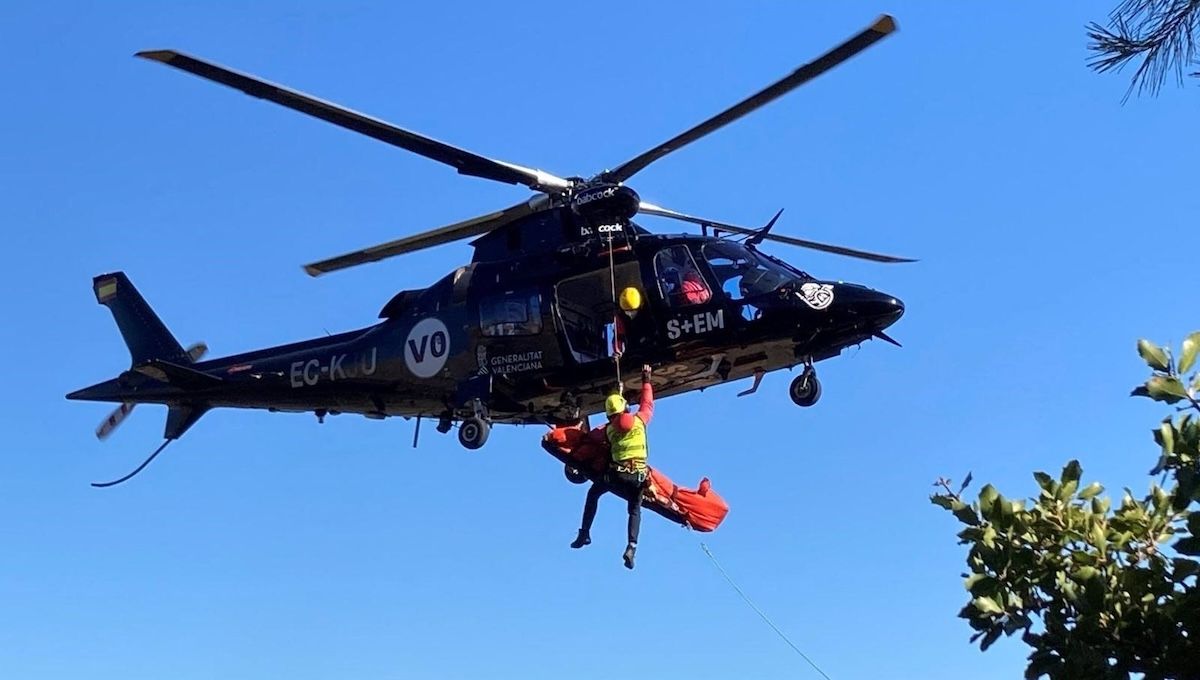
[144, 333]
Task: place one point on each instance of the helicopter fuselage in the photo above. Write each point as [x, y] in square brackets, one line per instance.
[565, 299]
[534, 339]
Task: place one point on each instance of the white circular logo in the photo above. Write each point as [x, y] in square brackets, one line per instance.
[817, 295]
[427, 347]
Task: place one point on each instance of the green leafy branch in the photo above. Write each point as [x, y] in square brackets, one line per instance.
[1095, 591]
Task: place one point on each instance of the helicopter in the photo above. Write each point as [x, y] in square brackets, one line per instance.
[565, 297]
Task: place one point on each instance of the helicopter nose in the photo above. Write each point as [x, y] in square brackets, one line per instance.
[862, 308]
[879, 309]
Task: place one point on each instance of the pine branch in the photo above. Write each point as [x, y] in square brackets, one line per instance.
[1163, 33]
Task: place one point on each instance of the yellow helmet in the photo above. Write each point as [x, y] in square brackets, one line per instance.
[631, 299]
[614, 404]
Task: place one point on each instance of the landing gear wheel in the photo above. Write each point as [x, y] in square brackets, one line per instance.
[805, 390]
[573, 475]
[473, 433]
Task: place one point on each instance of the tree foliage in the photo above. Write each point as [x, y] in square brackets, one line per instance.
[1162, 33]
[1097, 588]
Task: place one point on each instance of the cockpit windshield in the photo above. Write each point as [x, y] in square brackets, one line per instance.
[743, 273]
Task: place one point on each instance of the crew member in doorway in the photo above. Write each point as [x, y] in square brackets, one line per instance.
[626, 435]
[630, 303]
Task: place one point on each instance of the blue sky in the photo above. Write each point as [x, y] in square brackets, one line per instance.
[1054, 225]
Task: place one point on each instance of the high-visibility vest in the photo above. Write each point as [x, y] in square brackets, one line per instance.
[628, 446]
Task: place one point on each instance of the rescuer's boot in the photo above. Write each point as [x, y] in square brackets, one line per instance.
[628, 556]
[584, 538]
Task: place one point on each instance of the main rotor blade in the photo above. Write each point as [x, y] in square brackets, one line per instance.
[651, 209]
[882, 27]
[465, 162]
[428, 239]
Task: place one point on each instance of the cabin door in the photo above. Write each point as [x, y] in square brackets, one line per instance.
[586, 309]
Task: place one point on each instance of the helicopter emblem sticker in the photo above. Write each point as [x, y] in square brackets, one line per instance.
[426, 349]
[817, 295]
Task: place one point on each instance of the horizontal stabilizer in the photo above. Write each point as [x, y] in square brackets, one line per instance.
[177, 375]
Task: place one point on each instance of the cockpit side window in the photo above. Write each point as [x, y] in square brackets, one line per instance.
[743, 274]
[513, 313]
[679, 280]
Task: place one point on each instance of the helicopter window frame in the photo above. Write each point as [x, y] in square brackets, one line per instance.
[678, 298]
[514, 313]
[804, 276]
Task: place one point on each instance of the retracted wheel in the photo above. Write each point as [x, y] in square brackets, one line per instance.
[805, 390]
[574, 476]
[473, 432]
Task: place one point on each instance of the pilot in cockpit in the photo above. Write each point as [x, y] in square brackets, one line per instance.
[682, 284]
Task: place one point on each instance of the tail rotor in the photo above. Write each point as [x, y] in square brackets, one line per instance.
[119, 414]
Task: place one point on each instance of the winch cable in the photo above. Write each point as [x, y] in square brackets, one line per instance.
[760, 612]
[612, 275]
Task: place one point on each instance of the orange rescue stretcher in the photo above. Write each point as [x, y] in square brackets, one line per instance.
[586, 458]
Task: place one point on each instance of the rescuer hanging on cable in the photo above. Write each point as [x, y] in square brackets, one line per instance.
[626, 435]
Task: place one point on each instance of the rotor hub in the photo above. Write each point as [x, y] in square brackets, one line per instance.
[605, 203]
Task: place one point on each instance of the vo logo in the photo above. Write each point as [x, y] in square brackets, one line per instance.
[426, 348]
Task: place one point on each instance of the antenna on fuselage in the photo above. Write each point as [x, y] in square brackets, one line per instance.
[758, 236]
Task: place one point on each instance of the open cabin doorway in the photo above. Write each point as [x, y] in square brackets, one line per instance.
[586, 307]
